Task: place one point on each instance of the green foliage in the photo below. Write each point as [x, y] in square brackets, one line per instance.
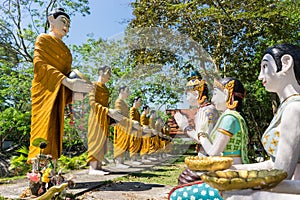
[234, 33]
[19, 166]
[72, 163]
[18, 163]
[15, 126]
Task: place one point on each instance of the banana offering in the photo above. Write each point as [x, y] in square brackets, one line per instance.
[244, 179]
[210, 163]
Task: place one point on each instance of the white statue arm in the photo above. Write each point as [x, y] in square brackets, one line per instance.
[269, 164]
[77, 85]
[181, 120]
[288, 145]
[116, 115]
[217, 146]
[192, 134]
[289, 142]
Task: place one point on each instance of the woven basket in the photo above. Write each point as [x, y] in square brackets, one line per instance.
[244, 179]
[211, 163]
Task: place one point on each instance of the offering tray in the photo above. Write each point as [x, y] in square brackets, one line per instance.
[210, 163]
[244, 179]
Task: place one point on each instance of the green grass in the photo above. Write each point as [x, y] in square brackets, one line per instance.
[11, 178]
[162, 174]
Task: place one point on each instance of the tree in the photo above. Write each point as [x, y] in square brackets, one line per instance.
[234, 33]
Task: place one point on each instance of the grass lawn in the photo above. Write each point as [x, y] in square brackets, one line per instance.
[161, 174]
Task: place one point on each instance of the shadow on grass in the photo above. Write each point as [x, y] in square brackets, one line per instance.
[145, 175]
[128, 186]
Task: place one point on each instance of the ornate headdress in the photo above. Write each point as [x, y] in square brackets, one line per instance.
[230, 103]
[195, 83]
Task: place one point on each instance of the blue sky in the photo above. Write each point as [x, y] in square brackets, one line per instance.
[104, 21]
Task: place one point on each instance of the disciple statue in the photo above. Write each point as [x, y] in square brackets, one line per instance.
[145, 148]
[51, 88]
[197, 95]
[99, 120]
[136, 136]
[230, 134]
[280, 73]
[123, 129]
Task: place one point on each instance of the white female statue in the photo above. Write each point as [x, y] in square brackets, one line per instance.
[197, 95]
[229, 137]
[280, 73]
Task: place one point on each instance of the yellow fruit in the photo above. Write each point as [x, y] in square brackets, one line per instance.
[243, 173]
[252, 174]
[232, 174]
[221, 174]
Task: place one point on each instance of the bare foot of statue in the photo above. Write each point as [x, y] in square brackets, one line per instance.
[97, 172]
[152, 158]
[96, 168]
[134, 162]
[122, 166]
[145, 159]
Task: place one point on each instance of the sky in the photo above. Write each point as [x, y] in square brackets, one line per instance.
[104, 21]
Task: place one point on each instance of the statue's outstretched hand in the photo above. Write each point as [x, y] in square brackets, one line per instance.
[136, 125]
[77, 85]
[201, 121]
[181, 120]
[202, 126]
[154, 132]
[146, 130]
[115, 114]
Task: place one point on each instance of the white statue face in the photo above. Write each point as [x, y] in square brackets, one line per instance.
[139, 102]
[192, 97]
[268, 75]
[153, 115]
[125, 93]
[59, 26]
[105, 76]
[147, 111]
[219, 99]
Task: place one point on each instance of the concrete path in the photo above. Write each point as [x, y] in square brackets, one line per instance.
[83, 181]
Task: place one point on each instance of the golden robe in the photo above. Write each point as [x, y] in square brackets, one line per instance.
[98, 123]
[152, 147]
[158, 140]
[136, 136]
[122, 129]
[52, 62]
[168, 142]
[145, 148]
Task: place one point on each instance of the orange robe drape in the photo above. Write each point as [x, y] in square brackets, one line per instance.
[98, 123]
[136, 136]
[158, 140]
[122, 129]
[168, 142]
[52, 62]
[152, 147]
[145, 148]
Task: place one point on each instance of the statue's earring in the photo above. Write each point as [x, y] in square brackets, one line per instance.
[230, 103]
